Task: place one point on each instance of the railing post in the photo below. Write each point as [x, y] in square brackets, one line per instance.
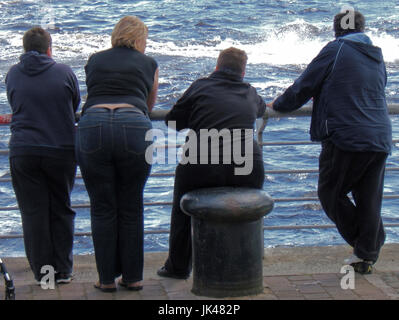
[259, 133]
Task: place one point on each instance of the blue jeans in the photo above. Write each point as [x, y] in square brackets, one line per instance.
[110, 150]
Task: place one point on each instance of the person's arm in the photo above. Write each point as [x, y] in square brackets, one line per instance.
[8, 117]
[261, 107]
[309, 83]
[76, 93]
[152, 97]
[180, 112]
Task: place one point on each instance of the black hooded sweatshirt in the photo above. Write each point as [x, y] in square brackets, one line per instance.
[44, 96]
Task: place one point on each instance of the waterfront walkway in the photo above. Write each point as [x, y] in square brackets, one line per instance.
[300, 273]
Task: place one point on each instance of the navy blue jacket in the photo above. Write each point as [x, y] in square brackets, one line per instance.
[347, 82]
[44, 96]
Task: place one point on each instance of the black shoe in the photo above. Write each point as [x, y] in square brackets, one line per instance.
[62, 278]
[163, 272]
[364, 267]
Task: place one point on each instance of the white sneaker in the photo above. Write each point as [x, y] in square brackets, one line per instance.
[63, 278]
[352, 259]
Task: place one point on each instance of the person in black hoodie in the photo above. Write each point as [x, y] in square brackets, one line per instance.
[44, 96]
[350, 117]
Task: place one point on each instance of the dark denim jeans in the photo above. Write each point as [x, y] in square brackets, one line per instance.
[110, 149]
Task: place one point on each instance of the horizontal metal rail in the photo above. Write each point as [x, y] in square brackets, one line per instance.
[306, 111]
[166, 203]
[262, 144]
[267, 172]
[166, 231]
[159, 115]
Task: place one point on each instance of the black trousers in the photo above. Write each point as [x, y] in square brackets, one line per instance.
[43, 186]
[188, 178]
[362, 174]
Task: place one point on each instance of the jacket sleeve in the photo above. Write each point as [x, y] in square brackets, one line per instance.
[7, 90]
[180, 112]
[309, 83]
[76, 93]
[261, 107]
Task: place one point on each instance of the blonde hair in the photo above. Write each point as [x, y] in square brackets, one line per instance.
[127, 31]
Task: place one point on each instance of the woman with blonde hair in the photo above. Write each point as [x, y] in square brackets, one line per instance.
[122, 85]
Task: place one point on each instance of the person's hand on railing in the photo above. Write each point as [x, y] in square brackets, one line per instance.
[270, 104]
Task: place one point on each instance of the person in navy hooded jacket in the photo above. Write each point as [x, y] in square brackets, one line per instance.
[44, 96]
[347, 82]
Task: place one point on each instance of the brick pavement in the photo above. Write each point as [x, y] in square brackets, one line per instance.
[378, 286]
[293, 284]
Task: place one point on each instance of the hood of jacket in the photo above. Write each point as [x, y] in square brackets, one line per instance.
[363, 44]
[33, 63]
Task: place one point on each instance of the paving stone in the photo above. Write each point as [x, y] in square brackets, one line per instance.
[265, 296]
[311, 288]
[300, 278]
[279, 284]
[171, 285]
[317, 296]
[154, 290]
[326, 276]
[184, 295]
[298, 285]
[290, 297]
[21, 296]
[330, 283]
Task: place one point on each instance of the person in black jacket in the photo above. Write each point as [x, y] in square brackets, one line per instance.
[223, 108]
[44, 96]
[347, 82]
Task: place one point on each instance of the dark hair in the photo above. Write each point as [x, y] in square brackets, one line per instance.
[232, 59]
[37, 39]
[341, 18]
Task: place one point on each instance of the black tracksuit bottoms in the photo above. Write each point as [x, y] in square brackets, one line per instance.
[42, 186]
[362, 174]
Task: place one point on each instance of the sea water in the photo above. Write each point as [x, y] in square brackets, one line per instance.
[185, 37]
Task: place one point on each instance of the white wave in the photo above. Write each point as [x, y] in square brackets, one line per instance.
[276, 50]
[388, 44]
[139, 4]
[283, 83]
[287, 46]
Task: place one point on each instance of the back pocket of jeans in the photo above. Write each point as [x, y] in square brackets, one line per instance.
[135, 139]
[89, 139]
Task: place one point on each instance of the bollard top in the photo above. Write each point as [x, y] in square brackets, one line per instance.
[227, 204]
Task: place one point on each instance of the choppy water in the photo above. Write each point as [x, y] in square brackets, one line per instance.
[185, 37]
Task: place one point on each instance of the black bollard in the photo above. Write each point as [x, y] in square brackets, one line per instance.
[227, 237]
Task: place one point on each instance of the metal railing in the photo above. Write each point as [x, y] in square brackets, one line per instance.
[159, 115]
